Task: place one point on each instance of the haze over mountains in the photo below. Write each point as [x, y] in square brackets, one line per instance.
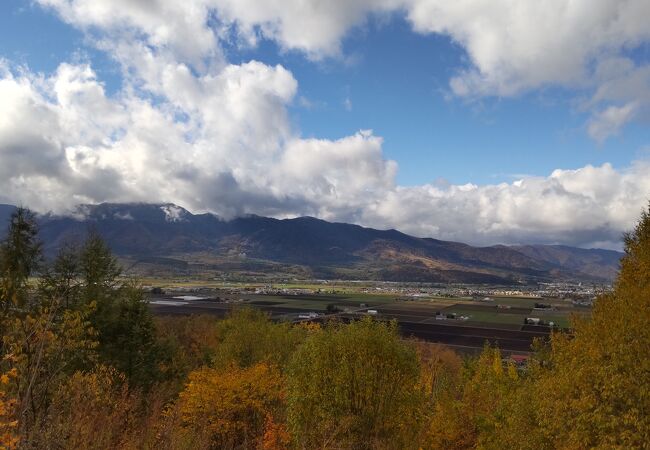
[167, 238]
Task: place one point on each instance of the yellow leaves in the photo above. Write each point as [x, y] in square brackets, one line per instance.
[247, 336]
[361, 372]
[6, 377]
[479, 411]
[89, 410]
[233, 403]
[41, 349]
[594, 394]
[512, 372]
[497, 364]
[439, 368]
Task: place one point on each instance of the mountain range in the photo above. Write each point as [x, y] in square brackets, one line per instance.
[165, 239]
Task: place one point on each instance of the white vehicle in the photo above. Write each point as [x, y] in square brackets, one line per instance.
[372, 312]
[309, 315]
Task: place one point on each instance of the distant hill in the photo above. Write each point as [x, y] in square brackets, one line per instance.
[5, 213]
[167, 238]
[598, 263]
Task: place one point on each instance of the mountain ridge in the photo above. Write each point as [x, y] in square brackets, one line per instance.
[171, 235]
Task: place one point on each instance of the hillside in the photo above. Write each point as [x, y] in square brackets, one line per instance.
[165, 238]
[598, 263]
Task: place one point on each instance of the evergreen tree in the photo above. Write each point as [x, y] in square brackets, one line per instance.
[20, 256]
[43, 343]
[62, 280]
[99, 271]
[128, 338]
[124, 324]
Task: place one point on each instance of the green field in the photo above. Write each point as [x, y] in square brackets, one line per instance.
[401, 302]
[491, 317]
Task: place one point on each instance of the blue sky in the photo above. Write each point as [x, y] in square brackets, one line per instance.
[396, 83]
[389, 66]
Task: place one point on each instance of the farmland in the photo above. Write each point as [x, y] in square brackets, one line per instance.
[464, 322]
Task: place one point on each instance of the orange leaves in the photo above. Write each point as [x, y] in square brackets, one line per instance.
[8, 423]
[276, 436]
[44, 348]
[348, 386]
[233, 404]
[5, 378]
[310, 327]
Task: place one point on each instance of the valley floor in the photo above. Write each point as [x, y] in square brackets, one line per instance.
[464, 323]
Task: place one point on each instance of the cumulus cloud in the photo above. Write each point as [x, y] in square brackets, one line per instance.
[63, 141]
[312, 26]
[579, 207]
[518, 45]
[181, 27]
[190, 128]
[513, 46]
[233, 153]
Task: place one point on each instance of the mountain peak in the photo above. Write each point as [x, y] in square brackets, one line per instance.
[321, 249]
[174, 213]
[148, 212]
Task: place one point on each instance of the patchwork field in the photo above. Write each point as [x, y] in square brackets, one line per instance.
[462, 322]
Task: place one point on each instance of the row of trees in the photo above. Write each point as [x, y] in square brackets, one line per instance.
[84, 365]
[76, 318]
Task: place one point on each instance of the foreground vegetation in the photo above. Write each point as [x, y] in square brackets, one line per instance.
[85, 365]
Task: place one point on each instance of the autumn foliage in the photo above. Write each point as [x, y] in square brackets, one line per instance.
[234, 405]
[354, 386]
[84, 365]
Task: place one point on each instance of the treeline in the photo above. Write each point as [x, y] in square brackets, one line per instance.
[85, 366]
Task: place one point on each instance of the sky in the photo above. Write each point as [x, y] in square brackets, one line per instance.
[487, 122]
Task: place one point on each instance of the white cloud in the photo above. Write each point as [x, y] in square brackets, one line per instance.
[190, 128]
[234, 153]
[518, 45]
[609, 121]
[174, 213]
[312, 26]
[578, 207]
[513, 46]
[63, 141]
[335, 179]
[181, 26]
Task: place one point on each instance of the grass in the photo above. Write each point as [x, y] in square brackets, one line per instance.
[489, 316]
